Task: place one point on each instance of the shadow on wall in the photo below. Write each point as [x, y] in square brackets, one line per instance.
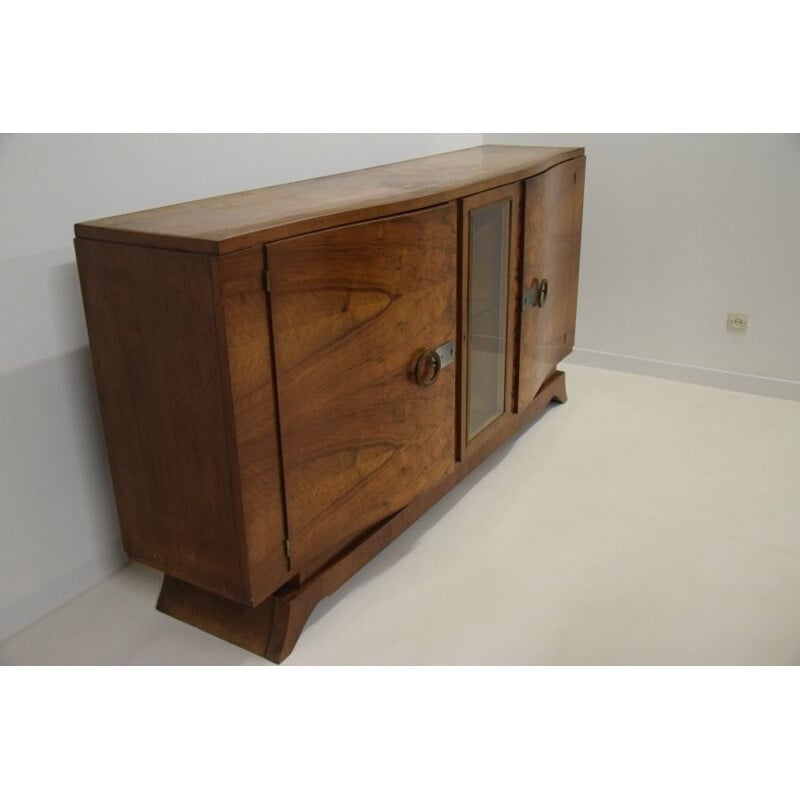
[58, 525]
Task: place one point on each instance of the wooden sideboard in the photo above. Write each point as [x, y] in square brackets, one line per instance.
[289, 377]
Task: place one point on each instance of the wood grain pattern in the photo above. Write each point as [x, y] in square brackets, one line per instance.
[153, 333]
[237, 221]
[553, 215]
[245, 327]
[352, 309]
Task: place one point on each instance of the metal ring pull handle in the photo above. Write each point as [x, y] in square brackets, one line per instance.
[541, 298]
[427, 368]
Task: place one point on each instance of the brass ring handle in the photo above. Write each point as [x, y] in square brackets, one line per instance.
[541, 297]
[427, 368]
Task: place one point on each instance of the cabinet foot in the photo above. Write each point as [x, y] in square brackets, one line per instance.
[245, 626]
[555, 390]
[270, 629]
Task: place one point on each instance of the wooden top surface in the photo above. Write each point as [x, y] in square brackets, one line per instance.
[234, 221]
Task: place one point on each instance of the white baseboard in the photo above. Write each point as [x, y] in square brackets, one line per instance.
[735, 381]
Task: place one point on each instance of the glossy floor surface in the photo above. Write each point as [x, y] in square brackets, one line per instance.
[644, 522]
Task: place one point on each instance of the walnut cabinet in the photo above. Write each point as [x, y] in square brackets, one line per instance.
[289, 377]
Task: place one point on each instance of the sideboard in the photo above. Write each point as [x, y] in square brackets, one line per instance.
[289, 377]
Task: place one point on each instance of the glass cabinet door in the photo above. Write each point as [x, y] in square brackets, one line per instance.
[490, 260]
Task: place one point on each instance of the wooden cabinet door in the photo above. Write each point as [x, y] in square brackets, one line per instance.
[353, 309]
[552, 235]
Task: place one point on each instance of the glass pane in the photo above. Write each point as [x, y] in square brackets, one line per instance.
[488, 282]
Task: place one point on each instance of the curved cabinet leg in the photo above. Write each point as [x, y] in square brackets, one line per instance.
[270, 630]
[556, 387]
[245, 626]
[290, 618]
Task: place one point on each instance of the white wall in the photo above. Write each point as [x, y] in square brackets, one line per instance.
[678, 230]
[58, 529]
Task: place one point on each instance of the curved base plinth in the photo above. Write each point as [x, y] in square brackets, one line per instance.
[272, 628]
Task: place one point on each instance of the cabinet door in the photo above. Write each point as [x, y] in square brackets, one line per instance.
[552, 233]
[490, 247]
[355, 310]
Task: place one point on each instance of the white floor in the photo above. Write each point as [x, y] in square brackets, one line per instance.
[644, 522]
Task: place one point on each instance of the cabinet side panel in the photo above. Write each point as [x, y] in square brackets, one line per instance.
[247, 341]
[553, 216]
[151, 323]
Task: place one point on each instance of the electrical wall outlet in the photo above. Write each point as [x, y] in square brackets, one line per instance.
[737, 322]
